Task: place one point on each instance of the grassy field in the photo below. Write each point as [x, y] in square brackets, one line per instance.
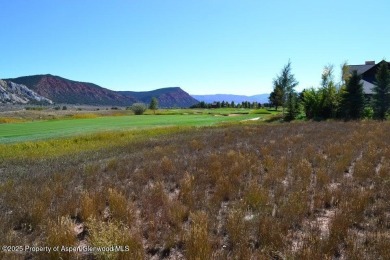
[236, 191]
[86, 123]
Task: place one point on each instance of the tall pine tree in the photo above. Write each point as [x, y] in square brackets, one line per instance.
[381, 95]
[352, 103]
[285, 83]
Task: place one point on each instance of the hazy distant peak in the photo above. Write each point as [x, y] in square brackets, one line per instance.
[261, 98]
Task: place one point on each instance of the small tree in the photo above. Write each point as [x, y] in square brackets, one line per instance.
[381, 96]
[286, 84]
[352, 103]
[329, 95]
[311, 103]
[138, 108]
[153, 104]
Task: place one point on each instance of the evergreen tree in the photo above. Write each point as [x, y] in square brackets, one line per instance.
[276, 98]
[286, 82]
[153, 104]
[381, 96]
[329, 96]
[292, 106]
[352, 103]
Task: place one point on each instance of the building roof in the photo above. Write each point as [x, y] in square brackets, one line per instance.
[360, 69]
[367, 72]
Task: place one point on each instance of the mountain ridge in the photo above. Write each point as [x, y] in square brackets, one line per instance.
[167, 97]
[62, 90]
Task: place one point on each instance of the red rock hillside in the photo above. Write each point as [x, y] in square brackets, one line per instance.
[62, 90]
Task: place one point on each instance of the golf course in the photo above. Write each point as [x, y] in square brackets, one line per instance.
[93, 123]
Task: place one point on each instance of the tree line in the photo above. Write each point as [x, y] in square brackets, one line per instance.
[345, 100]
[226, 104]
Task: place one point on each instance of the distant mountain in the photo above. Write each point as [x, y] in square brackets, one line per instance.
[13, 93]
[62, 90]
[262, 98]
[167, 97]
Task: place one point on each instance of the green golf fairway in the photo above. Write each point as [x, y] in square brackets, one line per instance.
[38, 130]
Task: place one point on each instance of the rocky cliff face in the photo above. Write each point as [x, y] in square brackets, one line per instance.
[13, 93]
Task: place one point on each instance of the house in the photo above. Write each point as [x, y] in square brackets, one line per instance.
[367, 72]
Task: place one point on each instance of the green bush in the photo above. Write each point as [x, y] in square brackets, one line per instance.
[368, 112]
[138, 108]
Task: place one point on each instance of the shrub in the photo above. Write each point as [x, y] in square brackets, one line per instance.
[198, 244]
[35, 108]
[111, 234]
[91, 204]
[121, 209]
[255, 198]
[61, 233]
[138, 108]
[186, 190]
[237, 230]
[368, 112]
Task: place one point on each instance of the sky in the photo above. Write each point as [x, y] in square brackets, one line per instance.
[202, 46]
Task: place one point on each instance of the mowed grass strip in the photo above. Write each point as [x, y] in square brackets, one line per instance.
[39, 130]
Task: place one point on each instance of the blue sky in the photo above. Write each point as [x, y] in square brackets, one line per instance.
[203, 46]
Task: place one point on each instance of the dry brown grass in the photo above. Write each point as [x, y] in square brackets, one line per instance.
[8, 120]
[300, 191]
